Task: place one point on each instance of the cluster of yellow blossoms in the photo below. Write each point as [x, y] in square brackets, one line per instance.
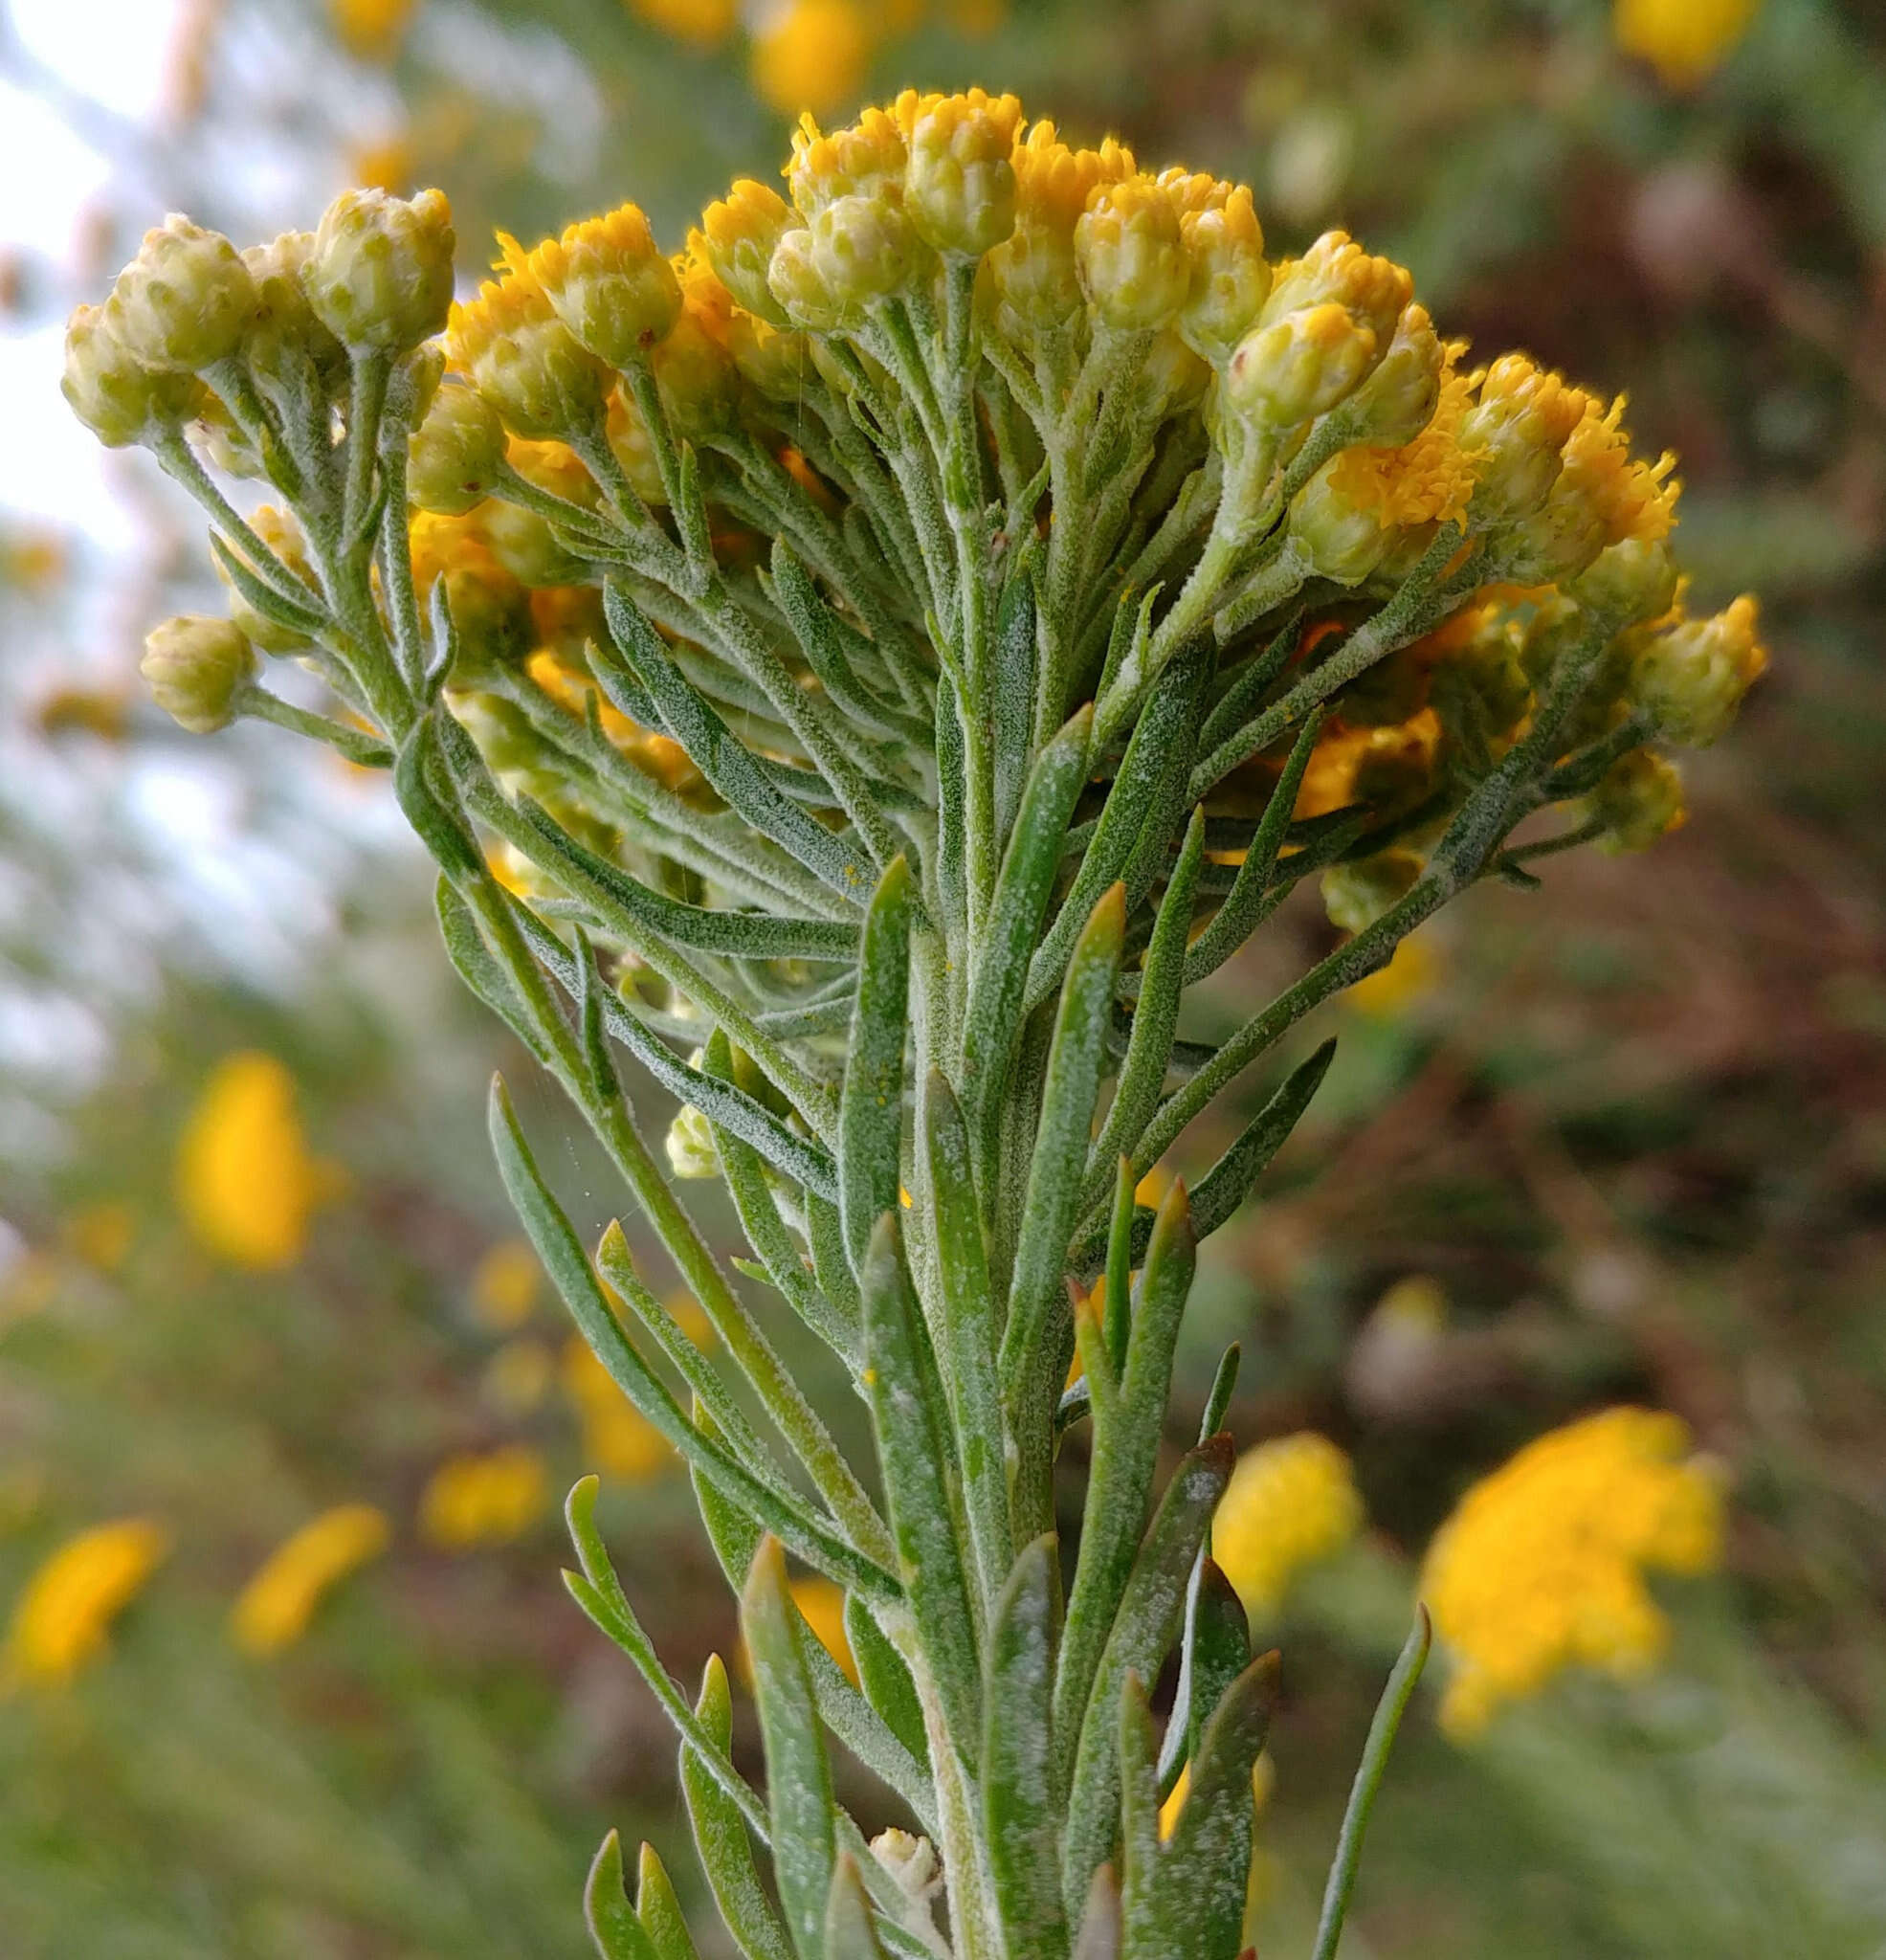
[1290, 1504]
[1542, 1566]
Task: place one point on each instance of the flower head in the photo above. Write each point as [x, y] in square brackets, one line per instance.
[1541, 1566]
[480, 1500]
[195, 667]
[61, 1618]
[379, 273]
[607, 283]
[1291, 1502]
[273, 1609]
[1684, 40]
[960, 182]
[812, 54]
[1689, 679]
[118, 395]
[246, 1183]
[1131, 257]
[518, 354]
[186, 299]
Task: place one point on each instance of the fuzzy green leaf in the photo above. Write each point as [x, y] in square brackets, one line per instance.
[1021, 1824]
[798, 1777]
[1015, 658]
[659, 1910]
[1225, 1186]
[885, 1680]
[911, 1432]
[618, 1934]
[720, 1834]
[1139, 1821]
[1213, 1650]
[848, 1932]
[1142, 1634]
[871, 1103]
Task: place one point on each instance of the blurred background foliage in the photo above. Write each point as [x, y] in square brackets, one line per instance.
[1618, 1142]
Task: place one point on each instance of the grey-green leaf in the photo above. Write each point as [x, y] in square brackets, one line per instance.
[613, 1927]
[871, 1103]
[720, 1834]
[849, 1933]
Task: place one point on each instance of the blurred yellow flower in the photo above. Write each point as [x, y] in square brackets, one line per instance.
[101, 1234]
[273, 1611]
[1387, 993]
[812, 54]
[473, 1499]
[1541, 1567]
[245, 1181]
[100, 712]
[1684, 40]
[504, 1285]
[386, 163]
[372, 29]
[700, 23]
[978, 19]
[617, 1439]
[1290, 1502]
[61, 1620]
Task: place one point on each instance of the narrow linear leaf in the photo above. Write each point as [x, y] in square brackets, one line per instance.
[871, 1103]
[472, 958]
[1213, 1650]
[993, 1017]
[613, 1927]
[1013, 718]
[1199, 1904]
[1225, 1186]
[912, 1431]
[1139, 1821]
[659, 1910]
[1037, 1336]
[1402, 1681]
[719, 1833]
[1021, 1821]
[798, 1775]
[1142, 1634]
[562, 1253]
[968, 1332]
[849, 1933]
[885, 1680]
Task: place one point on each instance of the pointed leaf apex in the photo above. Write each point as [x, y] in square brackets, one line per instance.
[580, 1506]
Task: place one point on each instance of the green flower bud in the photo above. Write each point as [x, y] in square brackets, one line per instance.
[862, 249]
[1298, 367]
[286, 340]
[195, 667]
[741, 232]
[1397, 401]
[1630, 582]
[118, 397]
[186, 300]
[379, 276]
[609, 284]
[525, 545]
[526, 362]
[1355, 896]
[1340, 538]
[1553, 543]
[960, 182]
[1515, 431]
[1336, 271]
[279, 531]
[798, 283]
[699, 385]
[456, 457]
[1640, 800]
[1230, 276]
[1132, 259]
[1691, 678]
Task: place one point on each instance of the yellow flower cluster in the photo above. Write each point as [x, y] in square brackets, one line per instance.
[246, 1183]
[1291, 1502]
[617, 1439]
[1684, 40]
[62, 1618]
[1542, 1564]
[273, 1611]
[474, 1499]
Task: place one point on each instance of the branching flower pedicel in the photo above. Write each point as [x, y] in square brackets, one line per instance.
[865, 669]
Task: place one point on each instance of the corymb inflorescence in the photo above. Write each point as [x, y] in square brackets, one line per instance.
[865, 667]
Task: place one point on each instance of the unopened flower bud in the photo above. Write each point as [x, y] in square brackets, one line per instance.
[1630, 582]
[1336, 271]
[608, 283]
[1288, 372]
[1398, 399]
[279, 531]
[741, 232]
[286, 340]
[1691, 677]
[456, 457]
[1341, 538]
[863, 160]
[1640, 801]
[1355, 896]
[1552, 543]
[187, 299]
[195, 667]
[379, 276]
[861, 249]
[526, 362]
[121, 398]
[1132, 260]
[1516, 431]
[960, 184]
[698, 382]
[798, 284]
[772, 361]
[692, 1152]
[1230, 276]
